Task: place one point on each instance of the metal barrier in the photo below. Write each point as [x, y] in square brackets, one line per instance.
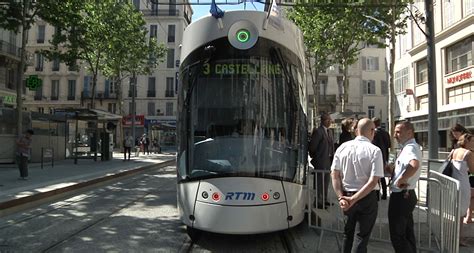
[436, 216]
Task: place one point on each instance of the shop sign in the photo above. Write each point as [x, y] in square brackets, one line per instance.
[139, 120]
[9, 99]
[459, 77]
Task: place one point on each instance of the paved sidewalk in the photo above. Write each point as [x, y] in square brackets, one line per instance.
[66, 176]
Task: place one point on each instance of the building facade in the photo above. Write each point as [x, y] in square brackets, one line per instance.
[454, 41]
[368, 89]
[10, 44]
[65, 88]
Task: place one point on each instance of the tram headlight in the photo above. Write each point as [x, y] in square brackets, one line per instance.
[205, 195]
[216, 197]
[243, 34]
[276, 195]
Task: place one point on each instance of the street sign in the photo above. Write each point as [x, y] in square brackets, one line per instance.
[33, 82]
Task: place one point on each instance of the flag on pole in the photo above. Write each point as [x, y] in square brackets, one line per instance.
[275, 16]
[216, 11]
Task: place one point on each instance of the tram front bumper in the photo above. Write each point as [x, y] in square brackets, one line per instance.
[240, 219]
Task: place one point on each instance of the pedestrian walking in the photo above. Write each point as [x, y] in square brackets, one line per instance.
[127, 146]
[145, 141]
[406, 172]
[355, 172]
[463, 163]
[382, 140]
[321, 150]
[23, 146]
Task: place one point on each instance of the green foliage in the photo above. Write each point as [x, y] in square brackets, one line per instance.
[129, 49]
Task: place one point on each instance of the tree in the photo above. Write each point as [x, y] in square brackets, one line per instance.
[16, 15]
[390, 22]
[312, 23]
[129, 49]
[85, 31]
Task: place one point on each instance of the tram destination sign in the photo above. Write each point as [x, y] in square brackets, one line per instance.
[241, 69]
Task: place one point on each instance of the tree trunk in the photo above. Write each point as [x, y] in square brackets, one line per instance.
[391, 90]
[345, 89]
[94, 84]
[21, 67]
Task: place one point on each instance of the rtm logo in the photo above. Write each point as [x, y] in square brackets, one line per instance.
[240, 196]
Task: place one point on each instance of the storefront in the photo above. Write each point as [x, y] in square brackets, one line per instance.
[162, 129]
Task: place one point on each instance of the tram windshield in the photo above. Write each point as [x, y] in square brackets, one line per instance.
[244, 119]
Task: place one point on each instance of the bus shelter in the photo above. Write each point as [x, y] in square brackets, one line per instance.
[91, 134]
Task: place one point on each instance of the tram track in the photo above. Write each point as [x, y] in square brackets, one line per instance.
[282, 239]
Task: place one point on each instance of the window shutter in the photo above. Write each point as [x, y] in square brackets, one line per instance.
[372, 87]
[376, 63]
[366, 86]
[364, 63]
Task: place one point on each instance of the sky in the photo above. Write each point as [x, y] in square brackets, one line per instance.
[203, 10]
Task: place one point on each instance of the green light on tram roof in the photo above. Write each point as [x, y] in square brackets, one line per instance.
[243, 35]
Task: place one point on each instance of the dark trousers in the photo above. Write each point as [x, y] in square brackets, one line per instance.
[322, 184]
[127, 150]
[22, 162]
[400, 219]
[360, 221]
[383, 186]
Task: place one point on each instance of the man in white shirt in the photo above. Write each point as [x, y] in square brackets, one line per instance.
[355, 171]
[406, 172]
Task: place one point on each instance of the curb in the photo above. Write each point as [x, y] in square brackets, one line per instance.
[81, 185]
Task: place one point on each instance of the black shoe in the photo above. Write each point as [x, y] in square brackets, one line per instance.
[384, 197]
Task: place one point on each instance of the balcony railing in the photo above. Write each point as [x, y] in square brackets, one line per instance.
[71, 97]
[151, 93]
[54, 97]
[110, 95]
[169, 93]
[38, 97]
[160, 12]
[10, 49]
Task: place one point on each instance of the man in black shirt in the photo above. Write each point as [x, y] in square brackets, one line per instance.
[382, 140]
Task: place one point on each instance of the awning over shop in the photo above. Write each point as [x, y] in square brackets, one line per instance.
[160, 123]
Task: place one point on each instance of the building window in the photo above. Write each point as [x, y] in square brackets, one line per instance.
[10, 78]
[422, 102]
[371, 111]
[169, 109]
[401, 80]
[54, 89]
[468, 7]
[136, 3]
[154, 9]
[448, 14]
[56, 63]
[369, 87]
[41, 34]
[39, 62]
[421, 72]
[85, 92]
[153, 31]
[41, 110]
[71, 89]
[109, 88]
[151, 109]
[171, 33]
[370, 63]
[383, 87]
[112, 108]
[172, 8]
[169, 87]
[460, 55]
[461, 93]
[170, 58]
[151, 87]
[130, 87]
[39, 93]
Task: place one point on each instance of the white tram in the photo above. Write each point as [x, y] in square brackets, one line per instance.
[242, 130]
